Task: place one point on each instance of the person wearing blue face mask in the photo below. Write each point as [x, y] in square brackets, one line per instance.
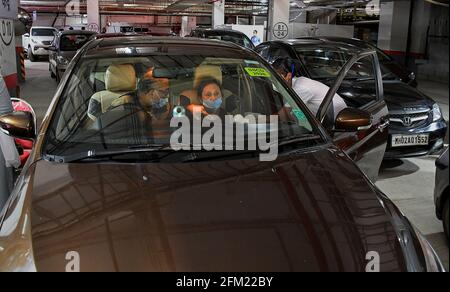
[210, 95]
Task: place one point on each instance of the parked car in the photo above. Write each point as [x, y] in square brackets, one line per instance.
[38, 41]
[227, 35]
[441, 191]
[98, 194]
[417, 126]
[64, 47]
[387, 62]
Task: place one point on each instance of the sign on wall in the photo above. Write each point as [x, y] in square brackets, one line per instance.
[280, 30]
[8, 53]
[8, 9]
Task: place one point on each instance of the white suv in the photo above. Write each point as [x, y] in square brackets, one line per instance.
[36, 43]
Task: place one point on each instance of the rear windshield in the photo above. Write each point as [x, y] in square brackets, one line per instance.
[73, 42]
[43, 32]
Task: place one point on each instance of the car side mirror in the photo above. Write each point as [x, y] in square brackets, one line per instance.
[353, 120]
[19, 124]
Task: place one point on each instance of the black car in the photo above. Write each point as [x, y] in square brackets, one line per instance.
[227, 35]
[441, 191]
[417, 126]
[403, 73]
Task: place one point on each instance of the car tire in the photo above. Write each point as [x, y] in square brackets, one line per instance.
[31, 56]
[445, 217]
[51, 71]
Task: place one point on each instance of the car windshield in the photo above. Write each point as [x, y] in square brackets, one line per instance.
[241, 40]
[325, 62]
[126, 97]
[43, 32]
[73, 42]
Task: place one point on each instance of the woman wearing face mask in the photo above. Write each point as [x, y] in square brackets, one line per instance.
[210, 95]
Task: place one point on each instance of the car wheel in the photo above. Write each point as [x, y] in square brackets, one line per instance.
[446, 217]
[31, 56]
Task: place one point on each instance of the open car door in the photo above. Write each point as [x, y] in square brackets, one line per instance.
[365, 145]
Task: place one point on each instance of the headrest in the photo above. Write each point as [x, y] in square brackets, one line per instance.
[120, 78]
[207, 71]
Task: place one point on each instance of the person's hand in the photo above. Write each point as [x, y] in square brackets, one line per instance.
[197, 108]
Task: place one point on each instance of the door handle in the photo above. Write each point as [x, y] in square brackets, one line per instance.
[384, 125]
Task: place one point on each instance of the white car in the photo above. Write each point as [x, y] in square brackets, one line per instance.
[36, 43]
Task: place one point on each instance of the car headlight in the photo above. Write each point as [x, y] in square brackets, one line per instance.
[437, 113]
[62, 61]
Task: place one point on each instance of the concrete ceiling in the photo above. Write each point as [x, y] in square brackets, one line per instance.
[244, 7]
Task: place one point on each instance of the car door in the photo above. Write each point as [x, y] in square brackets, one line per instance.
[368, 145]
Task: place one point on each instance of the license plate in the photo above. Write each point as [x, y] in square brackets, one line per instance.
[410, 140]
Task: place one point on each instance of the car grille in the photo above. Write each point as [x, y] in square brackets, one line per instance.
[47, 43]
[411, 119]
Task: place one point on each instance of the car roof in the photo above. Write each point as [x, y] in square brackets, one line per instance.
[149, 40]
[68, 32]
[319, 42]
[220, 30]
[350, 41]
[46, 27]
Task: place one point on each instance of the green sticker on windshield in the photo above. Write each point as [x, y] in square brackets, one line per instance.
[299, 115]
[257, 72]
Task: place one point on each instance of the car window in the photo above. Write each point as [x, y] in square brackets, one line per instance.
[43, 32]
[278, 52]
[101, 106]
[236, 39]
[73, 42]
[263, 51]
[325, 62]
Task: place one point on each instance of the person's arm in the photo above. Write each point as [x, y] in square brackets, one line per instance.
[5, 100]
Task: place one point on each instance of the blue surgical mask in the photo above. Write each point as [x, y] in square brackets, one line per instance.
[160, 104]
[212, 104]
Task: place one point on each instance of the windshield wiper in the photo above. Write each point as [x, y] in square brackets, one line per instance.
[95, 154]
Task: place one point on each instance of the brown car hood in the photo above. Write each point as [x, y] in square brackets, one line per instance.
[309, 212]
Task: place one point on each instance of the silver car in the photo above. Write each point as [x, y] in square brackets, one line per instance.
[64, 47]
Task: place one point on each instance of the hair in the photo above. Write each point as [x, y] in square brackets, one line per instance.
[145, 85]
[283, 65]
[206, 82]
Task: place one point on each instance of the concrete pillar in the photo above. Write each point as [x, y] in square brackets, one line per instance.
[218, 15]
[394, 27]
[278, 26]
[188, 24]
[93, 15]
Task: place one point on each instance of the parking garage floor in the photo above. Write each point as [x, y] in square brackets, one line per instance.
[408, 182]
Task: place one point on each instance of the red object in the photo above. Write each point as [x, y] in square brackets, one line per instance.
[26, 145]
